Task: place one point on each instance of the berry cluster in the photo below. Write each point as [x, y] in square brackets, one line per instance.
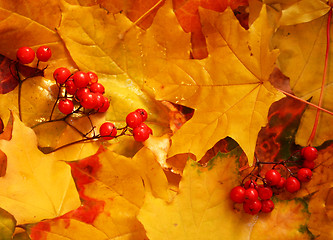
[82, 89]
[140, 130]
[257, 197]
[81, 93]
[134, 124]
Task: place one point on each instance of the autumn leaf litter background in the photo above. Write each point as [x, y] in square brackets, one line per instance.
[213, 77]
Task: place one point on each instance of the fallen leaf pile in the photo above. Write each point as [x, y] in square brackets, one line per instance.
[212, 76]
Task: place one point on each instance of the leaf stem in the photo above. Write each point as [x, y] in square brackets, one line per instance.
[122, 34]
[304, 101]
[320, 102]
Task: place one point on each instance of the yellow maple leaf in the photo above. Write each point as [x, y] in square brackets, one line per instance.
[229, 90]
[303, 62]
[36, 186]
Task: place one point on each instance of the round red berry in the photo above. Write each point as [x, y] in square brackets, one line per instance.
[81, 92]
[105, 106]
[81, 79]
[107, 131]
[100, 100]
[273, 177]
[309, 153]
[281, 183]
[142, 132]
[309, 164]
[253, 207]
[88, 100]
[93, 78]
[97, 88]
[304, 174]
[267, 206]
[61, 75]
[43, 53]
[143, 114]
[265, 192]
[133, 119]
[66, 106]
[237, 194]
[25, 55]
[292, 184]
[251, 194]
[70, 87]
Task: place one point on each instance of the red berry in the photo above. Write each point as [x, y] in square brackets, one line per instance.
[81, 92]
[25, 55]
[273, 177]
[133, 119]
[253, 207]
[143, 114]
[267, 206]
[61, 75]
[97, 88]
[281, 183]
[309, 153]
[70, 87]
[81, 79]
[105, 106]
[108, 130]
[141, 133]
[237, 194]
[66, 106]
[43, 53]
[100, 100]
[265, 192]
[88, 100]
[309, 164]
[250, 184]
[292, 184]
[251, 194]
[304, 174]
[93, 78]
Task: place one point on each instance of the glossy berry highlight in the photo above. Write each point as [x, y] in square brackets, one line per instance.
[43, 53]
[237, 194]
[251, 194]
[66, 106]
[133, 119]
[108, 131]
[81, 79]
[25, 55]
[143, 114]
[304, 174]
[61, 75]
[309, 153]
[273, 177]
[141, 133]
[292, 184]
